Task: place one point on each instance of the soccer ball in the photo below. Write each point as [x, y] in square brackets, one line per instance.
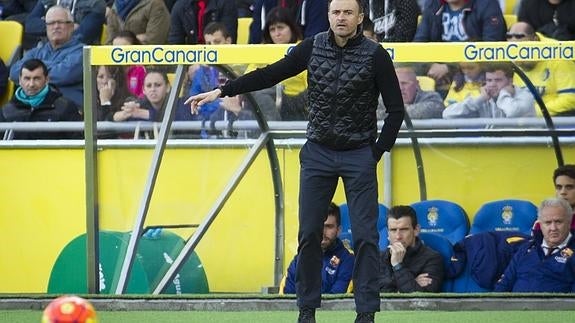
[69, 309]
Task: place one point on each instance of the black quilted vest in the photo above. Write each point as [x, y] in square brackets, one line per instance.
[342, 93]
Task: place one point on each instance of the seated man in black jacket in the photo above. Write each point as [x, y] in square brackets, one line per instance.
[37, 100]
[407, 265]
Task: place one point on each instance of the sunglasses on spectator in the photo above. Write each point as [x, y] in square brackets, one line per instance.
[518, 36]
[58, 22]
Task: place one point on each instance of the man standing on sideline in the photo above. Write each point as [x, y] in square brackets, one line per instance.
[346, 74]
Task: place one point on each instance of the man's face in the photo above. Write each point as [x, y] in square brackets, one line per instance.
[495, 81]
[59, 27]
[344, 17]
[554, 224]
[519, 32]
[401, 230]
[217, 38]
[565, 189]
[330, 232]
[407, 84]
[32, 82]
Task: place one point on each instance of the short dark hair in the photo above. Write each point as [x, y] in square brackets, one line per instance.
[505, 67]
[281, 15]
[34, 63]
[565, 170]
[359, 4]
[399, 211]
[216, 26]
[161, 72]
[129, 35]
[367, 25]
[333, 210]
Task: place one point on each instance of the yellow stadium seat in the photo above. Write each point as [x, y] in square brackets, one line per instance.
[10, 50]
[244, 30]
[510, 19]
[426, 83]
[11, 44]
[509, 7]
[104, 35]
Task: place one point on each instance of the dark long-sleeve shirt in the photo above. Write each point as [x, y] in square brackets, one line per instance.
[297, 60]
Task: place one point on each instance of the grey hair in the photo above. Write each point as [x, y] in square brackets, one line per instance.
[556, 202]
[69, 15]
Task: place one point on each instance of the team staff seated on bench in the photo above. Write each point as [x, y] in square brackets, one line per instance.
[547, 263]
[337, 260]
[407, 265]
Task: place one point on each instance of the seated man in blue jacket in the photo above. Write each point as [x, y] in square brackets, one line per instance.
[546, 264]
[337, 260]
[62, 54]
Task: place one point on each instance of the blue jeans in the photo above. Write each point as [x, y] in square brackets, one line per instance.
[320, 170]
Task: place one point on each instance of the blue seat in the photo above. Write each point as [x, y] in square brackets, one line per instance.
[505, 215]
[442, 245]
[346, 224]
[442, 217]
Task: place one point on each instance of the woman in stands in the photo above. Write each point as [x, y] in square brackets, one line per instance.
[152, 106]
[134, 74]
[111, 91]
[466, 82]
[290, 97]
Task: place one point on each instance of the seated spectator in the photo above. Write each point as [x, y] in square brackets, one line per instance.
[88, 18]
[62, 54]
[367, 30]
[554, 80]
[419, 104]
[153, 105]
[112, 91]
[337, 260]
[455, 21]
[261, 8]
[394, 20]
[149, 20]
[552, 18]
[190, 17]
[17, 10]
[134, 74]
[547, 263]
[407, 265]
[466, 82]
[498, 98]
[37, 100]
[207, 77]
[290, 96]
[564, 180]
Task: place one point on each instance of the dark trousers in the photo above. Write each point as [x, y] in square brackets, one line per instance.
[320, 170]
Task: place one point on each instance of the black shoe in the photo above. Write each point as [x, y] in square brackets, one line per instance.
[368, 317]
[306, 315]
